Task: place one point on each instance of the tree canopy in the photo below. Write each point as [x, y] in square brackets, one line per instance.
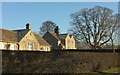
[47, 26]
[95, 26]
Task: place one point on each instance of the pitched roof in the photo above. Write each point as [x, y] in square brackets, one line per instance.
[8, 35]
[60, 37]
[54, 35]
[12, 35]
[63, 36]
[17, 35]
[21, 33]
[41, 40]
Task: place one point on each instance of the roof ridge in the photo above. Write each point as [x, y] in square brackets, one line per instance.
[64, 34]
[56, 37]
[21, 29]
[6, 30]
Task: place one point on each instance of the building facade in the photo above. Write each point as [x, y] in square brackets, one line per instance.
[23, 39]
[60, 41]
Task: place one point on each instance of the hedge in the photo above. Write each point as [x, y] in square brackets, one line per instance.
[57, 61]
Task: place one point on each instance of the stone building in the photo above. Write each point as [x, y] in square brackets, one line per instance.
[23, 39]
[8, 40]
[60, 41]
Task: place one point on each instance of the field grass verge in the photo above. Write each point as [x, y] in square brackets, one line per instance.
[111, 70]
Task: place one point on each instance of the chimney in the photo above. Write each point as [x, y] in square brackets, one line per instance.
[27, 26]
[57, 30]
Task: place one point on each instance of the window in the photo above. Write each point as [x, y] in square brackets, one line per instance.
[2, 46]
[14, 47]
[30, 45]
[47, 49]
[41, 48]
[7, 46]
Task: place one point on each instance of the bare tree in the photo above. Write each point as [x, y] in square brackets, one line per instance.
[114, 30]
[47, 26]
[95, 26]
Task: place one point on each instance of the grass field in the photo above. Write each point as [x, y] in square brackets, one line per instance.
[112, 70]
[107, 71]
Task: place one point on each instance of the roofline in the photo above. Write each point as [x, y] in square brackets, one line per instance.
[53, 36]
[21, 29]
[7, 30]
[8, 41]
[42, 38]
[64, 33]
[25, 34]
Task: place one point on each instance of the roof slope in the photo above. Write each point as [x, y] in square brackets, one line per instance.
[41, 40]
[63, 36]
[54, 35]
[21, 33]
[17, 35]
[59, 37]
[8, 36]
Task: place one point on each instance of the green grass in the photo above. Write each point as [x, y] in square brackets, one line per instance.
[97, 73]
[112, 70]
[107, 72]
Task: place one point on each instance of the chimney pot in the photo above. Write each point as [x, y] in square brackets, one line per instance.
[57, 30]
[27, 26]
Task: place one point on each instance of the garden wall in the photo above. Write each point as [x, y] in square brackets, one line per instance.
[57, 61]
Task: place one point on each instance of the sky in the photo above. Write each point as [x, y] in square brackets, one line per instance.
[15, 15]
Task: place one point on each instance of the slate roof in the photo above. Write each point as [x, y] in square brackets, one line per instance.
[60, 37]
[41, 40]
[17, 35]
[54, 35]
[63, 36]
[8, 36]
[21, 33]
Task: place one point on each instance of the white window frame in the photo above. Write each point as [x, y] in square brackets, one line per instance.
[2, 46]
[30, 45]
